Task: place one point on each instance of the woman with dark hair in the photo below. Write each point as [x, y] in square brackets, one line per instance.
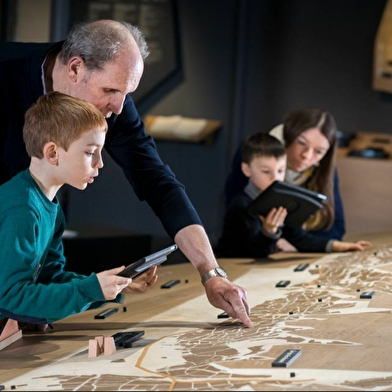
[310, 137]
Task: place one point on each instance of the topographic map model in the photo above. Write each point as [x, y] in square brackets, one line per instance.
[344, 340]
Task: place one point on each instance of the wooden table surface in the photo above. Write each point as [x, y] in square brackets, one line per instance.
[160, 313]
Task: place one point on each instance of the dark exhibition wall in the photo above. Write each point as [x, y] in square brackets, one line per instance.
[248, 63]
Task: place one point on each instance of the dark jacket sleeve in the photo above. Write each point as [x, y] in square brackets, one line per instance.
[135, 152]
[304, 241]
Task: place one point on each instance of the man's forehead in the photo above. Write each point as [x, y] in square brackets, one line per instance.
[119, 75]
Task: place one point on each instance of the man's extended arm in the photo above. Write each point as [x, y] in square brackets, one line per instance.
[223, 294]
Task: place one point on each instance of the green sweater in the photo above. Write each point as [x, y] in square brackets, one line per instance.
[34, 287]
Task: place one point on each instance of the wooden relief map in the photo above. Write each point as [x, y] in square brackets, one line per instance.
[344, 340]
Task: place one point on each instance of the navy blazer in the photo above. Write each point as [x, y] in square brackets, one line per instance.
[126, 140]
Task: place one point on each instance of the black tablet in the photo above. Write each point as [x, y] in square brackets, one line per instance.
[138, 267]
[299, 202]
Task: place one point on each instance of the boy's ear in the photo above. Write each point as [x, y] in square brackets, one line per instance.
[245, 169]
[50, 153]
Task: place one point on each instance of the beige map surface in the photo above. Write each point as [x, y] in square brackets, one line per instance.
[345, 341]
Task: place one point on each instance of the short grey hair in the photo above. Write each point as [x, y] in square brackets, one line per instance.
[99, 43]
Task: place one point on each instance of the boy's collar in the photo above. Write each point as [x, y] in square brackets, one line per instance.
[251, 190]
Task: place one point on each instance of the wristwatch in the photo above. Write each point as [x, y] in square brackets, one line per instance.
[213, 273]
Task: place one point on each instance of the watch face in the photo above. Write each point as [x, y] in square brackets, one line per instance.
[221, 271]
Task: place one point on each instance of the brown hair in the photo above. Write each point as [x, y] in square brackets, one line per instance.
[321, 180]
[59, 118]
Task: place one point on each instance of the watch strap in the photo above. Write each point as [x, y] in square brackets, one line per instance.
[214, 273]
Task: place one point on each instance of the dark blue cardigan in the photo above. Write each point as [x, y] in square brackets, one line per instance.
[126, 141]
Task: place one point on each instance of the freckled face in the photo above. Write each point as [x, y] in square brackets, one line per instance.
[80, 164]
[263, 171]
[307, 150]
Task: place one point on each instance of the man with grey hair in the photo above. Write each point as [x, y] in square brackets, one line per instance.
[102, 62]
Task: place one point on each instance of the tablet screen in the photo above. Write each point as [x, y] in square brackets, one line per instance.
[300, 203]
[138, 267]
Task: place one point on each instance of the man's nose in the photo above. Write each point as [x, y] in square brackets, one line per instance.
[116, 104]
